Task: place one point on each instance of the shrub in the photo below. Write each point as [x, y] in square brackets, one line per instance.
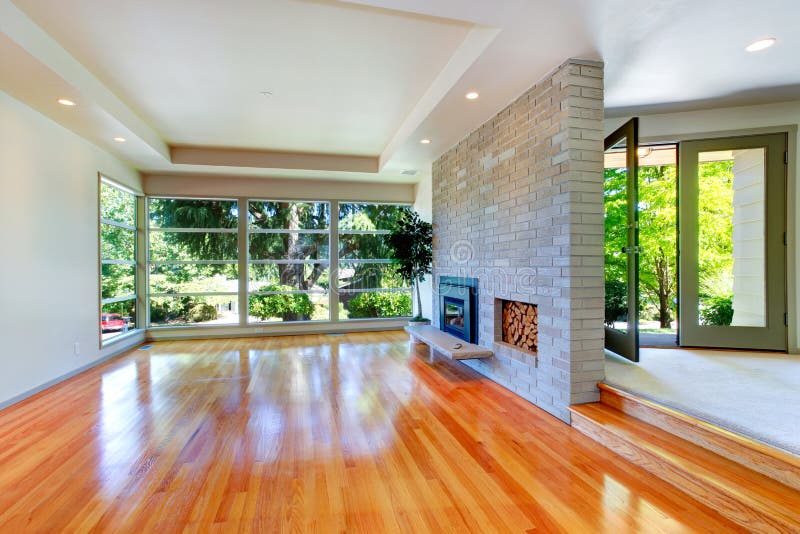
[616, 304]
[202, 312]
[289, 307]
[163, 309]
[717, 310]
[388, 304]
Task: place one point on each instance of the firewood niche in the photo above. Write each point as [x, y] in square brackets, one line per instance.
[520, 325]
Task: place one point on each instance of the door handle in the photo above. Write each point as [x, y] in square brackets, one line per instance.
[632, 250]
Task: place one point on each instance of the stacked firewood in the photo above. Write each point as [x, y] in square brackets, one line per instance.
[520, 324]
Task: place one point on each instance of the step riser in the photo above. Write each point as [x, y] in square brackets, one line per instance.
[725, 502]
[725, 444]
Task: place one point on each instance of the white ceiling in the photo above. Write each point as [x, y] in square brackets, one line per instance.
[369, 77]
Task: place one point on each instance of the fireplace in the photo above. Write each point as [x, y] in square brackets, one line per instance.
[458, 307]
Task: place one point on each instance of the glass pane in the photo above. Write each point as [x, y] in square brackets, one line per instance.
[296, 276]
[184, 246]
[615, 201]
[192, 213]
[731, 238]
[117, 281]
[289, 246]
[117, 318]
[657, 208]
[117, 243]
[117, 205]
[194, 278]
[288, 307]
[369, 276]
[379, 304]
[289, 215]
[360, 246]
[194, 310]
[370, 216]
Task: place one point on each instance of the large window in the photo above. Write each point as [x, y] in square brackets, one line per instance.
[288, 261]
[193, 256]
[208, 258]
[117, 260]
[369, 286]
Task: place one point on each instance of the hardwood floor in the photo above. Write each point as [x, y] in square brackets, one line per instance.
[357, 433]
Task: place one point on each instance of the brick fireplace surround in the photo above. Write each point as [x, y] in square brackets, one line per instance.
[518, 204]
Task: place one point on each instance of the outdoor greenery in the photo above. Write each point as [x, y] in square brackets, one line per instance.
[412, 244]
[287, 306]
[202, 312]
[193, 252]
[194, 249]
[367, 261]
[117, 254]
[717, 311]
[657, 205]
[383, 304]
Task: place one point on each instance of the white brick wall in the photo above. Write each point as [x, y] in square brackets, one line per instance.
[518, 204]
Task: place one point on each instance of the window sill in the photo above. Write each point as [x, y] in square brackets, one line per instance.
[105, 343]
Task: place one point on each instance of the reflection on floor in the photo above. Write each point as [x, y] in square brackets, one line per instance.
[358, 433]
[755, 394]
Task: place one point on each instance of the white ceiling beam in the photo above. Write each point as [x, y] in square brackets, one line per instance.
[36, 42]
[269, 159]
[473, 46]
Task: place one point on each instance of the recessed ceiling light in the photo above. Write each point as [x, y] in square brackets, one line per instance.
[425, 141]
[66, 102]
[761, 44]
[472, 95]
[119, 139]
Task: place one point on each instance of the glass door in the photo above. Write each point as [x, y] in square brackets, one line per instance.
[732, 242]
[620, 198]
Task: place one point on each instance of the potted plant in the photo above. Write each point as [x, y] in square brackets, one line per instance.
[412, 244]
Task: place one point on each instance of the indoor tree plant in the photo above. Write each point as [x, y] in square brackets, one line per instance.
[412, 243]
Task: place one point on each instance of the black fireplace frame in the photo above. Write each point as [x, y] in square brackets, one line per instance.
[466, 291]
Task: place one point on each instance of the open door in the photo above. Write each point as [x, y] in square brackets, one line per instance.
[622, 265]
[732, 242]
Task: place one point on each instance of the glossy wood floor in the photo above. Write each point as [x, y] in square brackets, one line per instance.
[357, 433]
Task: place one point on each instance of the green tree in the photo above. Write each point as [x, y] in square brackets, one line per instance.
[412, 244]
[117, 243]
[658, 234]
[657, 238]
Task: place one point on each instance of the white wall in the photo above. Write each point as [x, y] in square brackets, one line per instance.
[779, 117]
[749, 226]
[48, 230]
[423, 205]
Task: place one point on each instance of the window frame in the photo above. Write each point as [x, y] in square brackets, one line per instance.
[104, 180]
[375, 261]
[149, 230]
[280, 231]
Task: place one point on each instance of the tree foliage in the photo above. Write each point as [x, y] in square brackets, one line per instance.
[412, 245]
[287, 306]
[380, 304]
[295, 233]
[657, 207]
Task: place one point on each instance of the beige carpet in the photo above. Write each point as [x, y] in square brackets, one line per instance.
[755, 394]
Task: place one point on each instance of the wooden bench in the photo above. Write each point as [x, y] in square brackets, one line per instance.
[444, 343]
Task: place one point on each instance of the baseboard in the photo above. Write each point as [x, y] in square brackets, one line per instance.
[222, 332]
[50, 383]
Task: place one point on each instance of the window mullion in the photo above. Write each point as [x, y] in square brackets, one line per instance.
[244, 255]
[333, 266]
